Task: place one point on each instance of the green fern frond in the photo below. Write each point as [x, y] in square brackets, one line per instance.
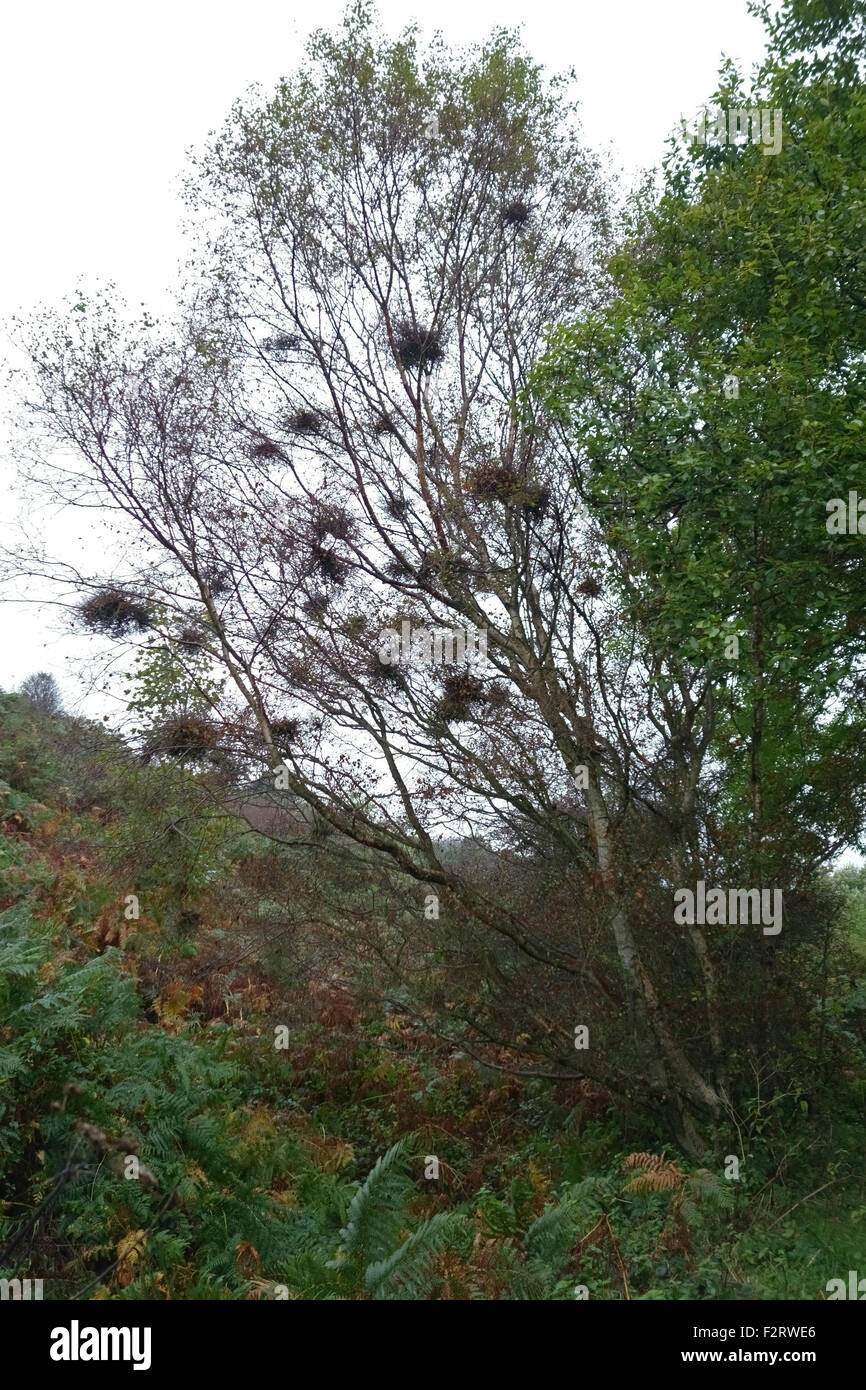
[369, 1228]
[705, 1188]
[405, 1273]
[549, 1235]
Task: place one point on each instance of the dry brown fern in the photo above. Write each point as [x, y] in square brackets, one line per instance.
[688, 1191]
[658, 1174]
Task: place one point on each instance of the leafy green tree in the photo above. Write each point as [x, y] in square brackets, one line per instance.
[714, 407]
[43, 692]
[176, 693]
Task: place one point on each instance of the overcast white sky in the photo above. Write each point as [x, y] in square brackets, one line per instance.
[100, 102]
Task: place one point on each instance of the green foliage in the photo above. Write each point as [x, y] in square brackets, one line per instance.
[742, 265]
[370, 1228]
[236, 1198]
[23, 763]
[405, 1273]
[175, 692]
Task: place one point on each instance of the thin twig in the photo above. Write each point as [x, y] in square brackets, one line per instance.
[42, 1207]
[801, 1201]
[605, 1219]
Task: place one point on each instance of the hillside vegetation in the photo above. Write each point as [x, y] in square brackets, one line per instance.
[158, 1140]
